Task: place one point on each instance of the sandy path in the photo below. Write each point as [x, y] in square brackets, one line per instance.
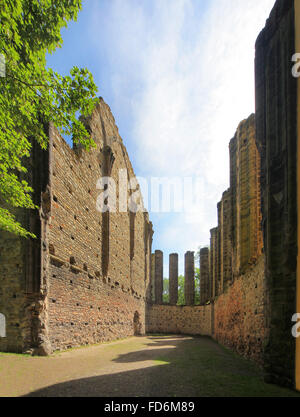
[163, 366]
[21, 375]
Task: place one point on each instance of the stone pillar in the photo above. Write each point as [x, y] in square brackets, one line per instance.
[219, 282]
[204, 276]
[158, 277]
[189, 278]
[226, 242]
[213, 262]
[153, 277]
[173, 278]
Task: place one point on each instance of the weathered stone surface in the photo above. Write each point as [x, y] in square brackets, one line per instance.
[189, 278]
[214, 262]
[204, 276]
[276, 126]
[225, 227]
[87, 276]
[90, 277]
[245, 188]
[159, 276]
[190, 320]
[152, 277]
[239, 314]
[173, 279]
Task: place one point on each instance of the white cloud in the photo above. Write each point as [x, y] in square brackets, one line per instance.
[188, 79]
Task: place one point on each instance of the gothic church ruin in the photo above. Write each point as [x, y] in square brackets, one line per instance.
[90, 276]
[86, 278]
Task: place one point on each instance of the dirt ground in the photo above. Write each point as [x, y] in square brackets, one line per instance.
[153, 366]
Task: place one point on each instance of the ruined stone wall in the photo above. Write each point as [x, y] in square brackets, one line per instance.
[190, 320]
[239, 321]
[204, 276]
[12, 294]
[152, 277]
[99, 273]
[225, 241]
[22, 261]
[236, 261]
[236, 243]
[236, 318]
[86, 278]
[232, 279]
[276, 128]
[213, 264]
[245, 189]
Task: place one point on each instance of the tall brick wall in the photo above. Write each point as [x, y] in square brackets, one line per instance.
[236, 260]
[245, 189]
[225, 225]
[104, 280]
[236, 243]
[92, 270]
[239, 314]
[276, 126]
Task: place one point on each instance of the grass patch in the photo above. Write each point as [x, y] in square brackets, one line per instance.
[161, 361]
[20, 355]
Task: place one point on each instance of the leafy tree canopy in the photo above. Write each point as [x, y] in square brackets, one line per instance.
[181, 298]
[32, 94]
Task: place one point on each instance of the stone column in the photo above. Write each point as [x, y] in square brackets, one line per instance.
[204, 276]
[214, 252]
[158, 277]
[173, 278]
[153, 277]
[189, 279]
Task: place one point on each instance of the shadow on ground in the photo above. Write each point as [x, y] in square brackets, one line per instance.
[179, 367]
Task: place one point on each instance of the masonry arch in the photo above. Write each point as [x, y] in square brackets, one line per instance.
[2, 325]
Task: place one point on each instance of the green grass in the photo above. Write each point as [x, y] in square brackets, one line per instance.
[109, 343]
[15, 354]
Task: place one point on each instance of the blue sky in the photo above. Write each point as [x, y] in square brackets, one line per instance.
[179, 77]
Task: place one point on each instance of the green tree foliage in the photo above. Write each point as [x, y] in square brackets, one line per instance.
[31, 95]
[181, 299]
[166, 291]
